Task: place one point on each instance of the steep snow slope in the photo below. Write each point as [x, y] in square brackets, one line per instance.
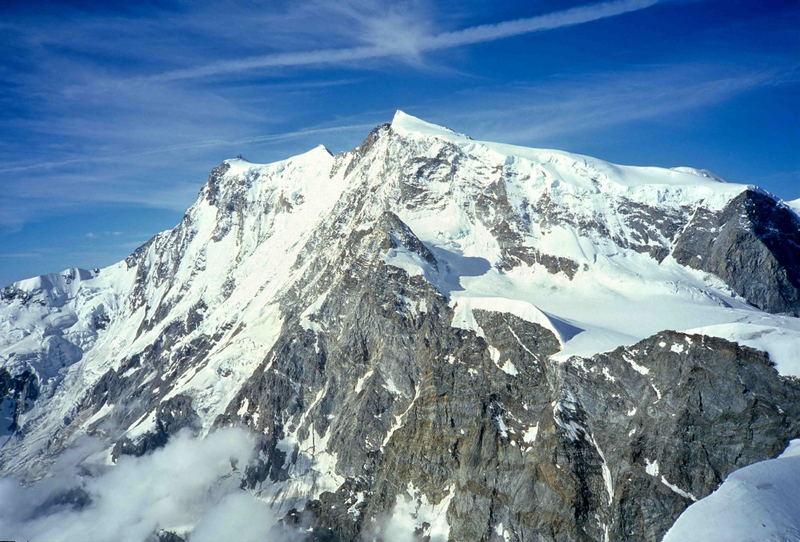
[219, 267]
[758, 503]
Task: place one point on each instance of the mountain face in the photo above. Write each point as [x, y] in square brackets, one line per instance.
[469, 340]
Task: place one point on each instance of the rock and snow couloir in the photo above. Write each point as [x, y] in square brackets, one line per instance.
[396, 321]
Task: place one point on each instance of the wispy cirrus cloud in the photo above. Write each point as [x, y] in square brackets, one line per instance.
[191, 145]
[404, 36]
[153, 117]
[590, 102]
[111, 126]
[550, 21]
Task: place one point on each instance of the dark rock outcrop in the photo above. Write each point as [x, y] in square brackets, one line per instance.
[17, 392]
[753, 244]
[173, 415]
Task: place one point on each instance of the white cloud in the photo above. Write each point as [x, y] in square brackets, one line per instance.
[189, 145]
[238, 516]
[188, 482]
[587, 104]
[550, 21]
[400, 33]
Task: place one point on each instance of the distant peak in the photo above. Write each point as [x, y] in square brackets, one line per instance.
[405, 124]
[323, 149]
[320, 152]
[238, 159]
[240, 163]
[401, 116]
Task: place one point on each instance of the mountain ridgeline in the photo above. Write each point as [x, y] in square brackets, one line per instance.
[463, 340]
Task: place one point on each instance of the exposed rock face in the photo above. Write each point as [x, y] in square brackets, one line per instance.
[172, 415]
[489, 429]
[680, 399]
[17, 393]
[753, 245]
[383, 320]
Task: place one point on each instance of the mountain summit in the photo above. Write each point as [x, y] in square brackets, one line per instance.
[458, 339]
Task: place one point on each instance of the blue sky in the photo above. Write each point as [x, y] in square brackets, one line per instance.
[112, 114]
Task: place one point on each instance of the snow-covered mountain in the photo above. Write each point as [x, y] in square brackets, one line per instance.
[431, 334]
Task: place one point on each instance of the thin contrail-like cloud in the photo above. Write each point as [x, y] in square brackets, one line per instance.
[445, 40]
[188, 146]
[559, 19]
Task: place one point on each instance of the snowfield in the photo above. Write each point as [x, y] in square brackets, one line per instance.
[759, 503]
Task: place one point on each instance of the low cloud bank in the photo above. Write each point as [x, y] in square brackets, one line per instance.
[191, 486]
